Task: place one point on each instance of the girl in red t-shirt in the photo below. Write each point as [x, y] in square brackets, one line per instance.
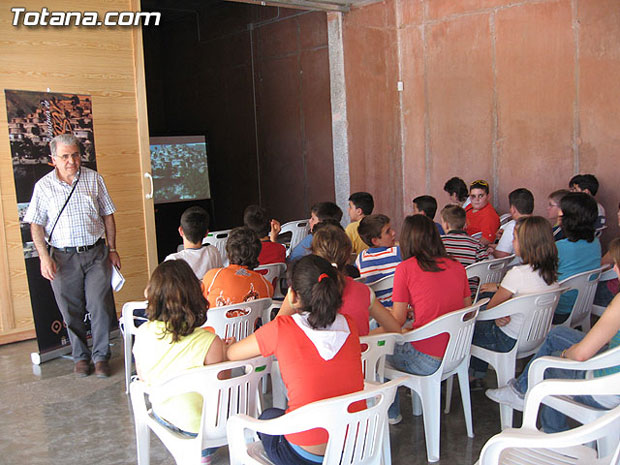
[432, 284]
[313, 345]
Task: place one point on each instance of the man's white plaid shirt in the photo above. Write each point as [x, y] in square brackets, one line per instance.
[81, 222]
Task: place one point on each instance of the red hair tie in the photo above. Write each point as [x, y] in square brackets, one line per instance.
[321, 276]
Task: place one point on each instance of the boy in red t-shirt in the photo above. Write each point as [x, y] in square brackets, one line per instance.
[481, 216]
[255, 218]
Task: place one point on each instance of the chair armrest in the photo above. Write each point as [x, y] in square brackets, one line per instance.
[604, 385]
[603, 360]
[431, 329]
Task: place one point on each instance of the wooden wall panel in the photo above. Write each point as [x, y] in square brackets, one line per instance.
[105, 63]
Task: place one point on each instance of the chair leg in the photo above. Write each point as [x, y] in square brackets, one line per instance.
[416, 404]
[505, 371]
[431, 407]
[127, 343]
[449, 384]
[143, 443]
[386, 452]
[466, 398]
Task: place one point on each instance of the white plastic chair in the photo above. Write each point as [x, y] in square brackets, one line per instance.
[585, 283]
[477, 235]
[354, 437]
[527, 445]
[569, 406]
[607, 275]
[273, 273]
[218, 240]
[236, 320]
[298, 229]
[222, 398]
[377, 347]
[384, 284]
[459, 326]
[488, 271]
[537, 310]
[128, 327]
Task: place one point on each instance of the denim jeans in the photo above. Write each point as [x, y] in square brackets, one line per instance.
[410, 360]
[489, 336]
[176, 429]
[278, 449]
[559, 339]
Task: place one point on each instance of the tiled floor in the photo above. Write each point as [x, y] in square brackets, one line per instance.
[47, 416]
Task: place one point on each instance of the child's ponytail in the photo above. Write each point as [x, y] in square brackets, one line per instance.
[317, 284]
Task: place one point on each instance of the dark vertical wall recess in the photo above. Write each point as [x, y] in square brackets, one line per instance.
[256, 81]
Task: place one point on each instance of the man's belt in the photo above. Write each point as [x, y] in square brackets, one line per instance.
[79, 248]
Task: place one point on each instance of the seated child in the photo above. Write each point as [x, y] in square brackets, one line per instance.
[606, 290]
[433, 284]
[427, 205]
[318, 350]
[589, 184]
[358, 300]
[360, 205]
[194, 228]
[382, 256]
[581, 250]
[521, 203]
[255, 218]
[481, 216]
[573, 345]
[237, 282]
[458, 244]
[533, 242]
[553, 212]
[457, 192]
[319, 212]
[172, 341]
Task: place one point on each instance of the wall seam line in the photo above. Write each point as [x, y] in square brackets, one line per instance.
[494, 138]
[427, 123]
[576, 113]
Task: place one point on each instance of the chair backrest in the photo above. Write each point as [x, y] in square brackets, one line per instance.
[218, 240]
[488, 271]
[222, 398]
[374, 350]
[384, 284]
[355, 438]
[537, 310]
[273, 272]
[585, 283]
[236, 320]
[459, 325]
[133, 314]
[298, 229]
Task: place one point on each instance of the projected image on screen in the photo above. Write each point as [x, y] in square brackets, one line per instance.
[179, 168]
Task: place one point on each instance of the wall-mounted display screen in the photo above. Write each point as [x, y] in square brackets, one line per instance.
[179, 168]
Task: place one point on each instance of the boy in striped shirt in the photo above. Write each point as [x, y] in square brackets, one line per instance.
[382, 256]
[458, 243]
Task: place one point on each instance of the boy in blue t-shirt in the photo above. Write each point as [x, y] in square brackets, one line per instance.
[382, 256]
[427, 205]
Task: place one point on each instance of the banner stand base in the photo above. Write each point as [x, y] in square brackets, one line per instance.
[38, 358]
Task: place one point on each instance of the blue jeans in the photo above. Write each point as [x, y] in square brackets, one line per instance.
[410, 360]
[489, 336]
[278, 449]
[558, 339]
[176, 429]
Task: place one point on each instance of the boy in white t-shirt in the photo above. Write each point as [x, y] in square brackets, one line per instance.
[194, 228]
[521, 203]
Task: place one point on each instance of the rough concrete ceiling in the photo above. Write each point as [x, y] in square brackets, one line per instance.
[323, 5]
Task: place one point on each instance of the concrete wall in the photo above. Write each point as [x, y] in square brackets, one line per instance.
[521, 93]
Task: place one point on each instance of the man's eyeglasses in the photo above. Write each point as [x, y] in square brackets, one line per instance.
[74, 156]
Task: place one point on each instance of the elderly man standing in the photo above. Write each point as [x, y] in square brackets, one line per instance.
[70, 210]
